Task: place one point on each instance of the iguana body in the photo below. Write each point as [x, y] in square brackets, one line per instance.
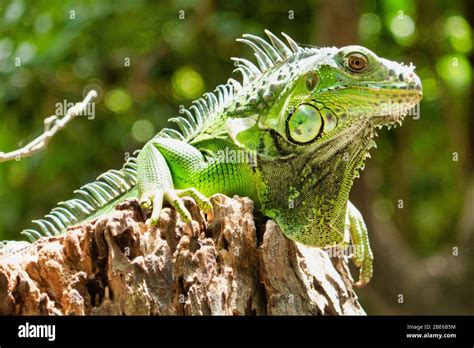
[292, 137]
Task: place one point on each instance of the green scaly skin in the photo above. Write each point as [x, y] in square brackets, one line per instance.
[292, 137]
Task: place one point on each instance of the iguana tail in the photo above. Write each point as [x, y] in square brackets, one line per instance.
[93, 199]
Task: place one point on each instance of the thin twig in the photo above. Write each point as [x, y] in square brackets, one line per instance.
[52, 125]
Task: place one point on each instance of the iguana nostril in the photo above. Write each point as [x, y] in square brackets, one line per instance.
[414, 81]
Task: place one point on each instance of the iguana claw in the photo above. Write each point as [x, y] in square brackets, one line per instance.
[174, 198]
[202, 201]
[362, 254]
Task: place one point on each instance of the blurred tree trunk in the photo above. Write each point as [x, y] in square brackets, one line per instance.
[336, 22]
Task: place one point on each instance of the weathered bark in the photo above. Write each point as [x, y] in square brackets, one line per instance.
[118, 265]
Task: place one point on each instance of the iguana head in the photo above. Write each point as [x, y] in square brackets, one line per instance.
[312, 115]
[341, 89]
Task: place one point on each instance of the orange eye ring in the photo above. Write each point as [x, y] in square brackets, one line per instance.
[357, 62]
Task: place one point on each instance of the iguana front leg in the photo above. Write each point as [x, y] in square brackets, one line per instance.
[155, 180]
[170, 169]
[362, 254]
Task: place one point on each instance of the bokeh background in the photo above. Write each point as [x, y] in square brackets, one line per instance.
[416, 193]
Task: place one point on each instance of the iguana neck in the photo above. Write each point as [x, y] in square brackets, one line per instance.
[297, 189]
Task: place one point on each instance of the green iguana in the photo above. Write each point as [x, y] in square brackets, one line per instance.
[292, 136]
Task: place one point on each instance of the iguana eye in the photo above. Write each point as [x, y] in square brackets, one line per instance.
[304, 125]
[357, 62]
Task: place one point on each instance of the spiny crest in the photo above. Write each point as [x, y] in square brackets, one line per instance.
[203, 110]
[268, 55]
[91, 198]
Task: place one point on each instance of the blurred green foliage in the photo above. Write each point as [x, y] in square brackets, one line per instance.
[146, 58]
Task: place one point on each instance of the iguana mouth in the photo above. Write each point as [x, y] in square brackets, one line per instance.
[397, 100]
[396, 104]
[394, 112]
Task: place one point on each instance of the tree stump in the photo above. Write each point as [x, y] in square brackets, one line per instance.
[117, 265]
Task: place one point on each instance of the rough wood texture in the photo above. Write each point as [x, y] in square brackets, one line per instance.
[117, 265]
